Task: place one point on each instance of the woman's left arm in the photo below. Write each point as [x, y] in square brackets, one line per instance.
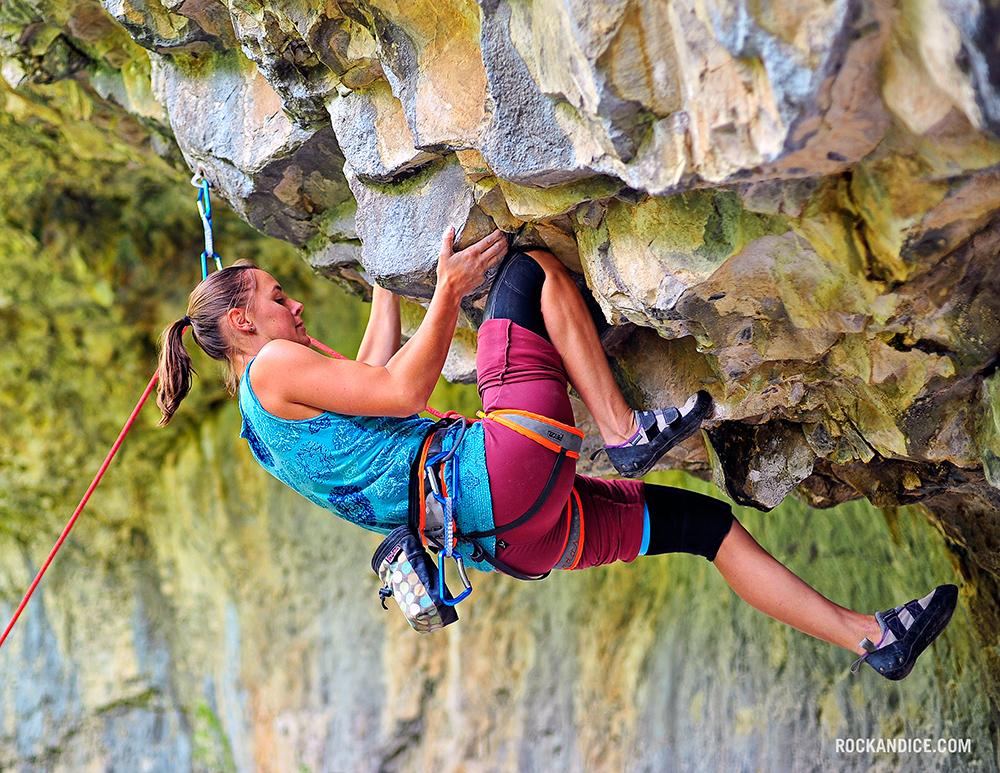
[287, 375]
[383, 335]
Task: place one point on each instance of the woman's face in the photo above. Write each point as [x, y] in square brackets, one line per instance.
[274, 314]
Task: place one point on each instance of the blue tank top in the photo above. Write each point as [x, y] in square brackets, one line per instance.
[358, 467]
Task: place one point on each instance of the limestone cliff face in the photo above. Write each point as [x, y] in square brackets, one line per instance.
[796, 208]
[799, 205]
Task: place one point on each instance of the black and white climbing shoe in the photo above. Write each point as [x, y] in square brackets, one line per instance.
[658, 432]
[907, 631]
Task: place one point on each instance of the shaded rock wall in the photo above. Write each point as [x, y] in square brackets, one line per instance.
[245, 634]
[796, 211]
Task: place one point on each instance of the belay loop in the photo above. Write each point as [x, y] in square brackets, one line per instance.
[205, 210]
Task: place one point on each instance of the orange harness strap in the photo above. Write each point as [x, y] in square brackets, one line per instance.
[562, 439]
[552, 434]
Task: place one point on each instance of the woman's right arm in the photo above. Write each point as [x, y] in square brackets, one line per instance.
[288, 374]
[384, 331]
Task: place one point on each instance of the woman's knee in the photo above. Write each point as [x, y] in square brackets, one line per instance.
[682, 521]
[560, 285]
[517, 293]
[548, 262]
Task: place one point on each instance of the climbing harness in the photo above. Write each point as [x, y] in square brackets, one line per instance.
[204, 202]
[436, 524]
[401, 561]
[566, 441]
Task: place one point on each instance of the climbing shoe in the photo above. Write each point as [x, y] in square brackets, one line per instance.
[658, 432]
[907, 631]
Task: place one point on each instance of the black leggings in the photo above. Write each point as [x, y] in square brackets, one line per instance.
[516, 294]
[685, 522]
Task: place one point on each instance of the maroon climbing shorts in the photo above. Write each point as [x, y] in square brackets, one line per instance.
[518, 369]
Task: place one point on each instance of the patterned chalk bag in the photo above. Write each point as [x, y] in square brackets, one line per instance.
[409, 575]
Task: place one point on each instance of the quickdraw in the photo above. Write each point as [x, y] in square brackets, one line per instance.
[205, 210]
[442, 502]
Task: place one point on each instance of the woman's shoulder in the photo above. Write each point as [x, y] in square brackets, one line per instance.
[276, 359]
[281, 352]
[268, 376]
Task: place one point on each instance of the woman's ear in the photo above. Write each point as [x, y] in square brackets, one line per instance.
[238, 321]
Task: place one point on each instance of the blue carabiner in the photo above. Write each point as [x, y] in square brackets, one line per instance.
[462, 573]
[204, 202]
[448, 505]
[447, 502]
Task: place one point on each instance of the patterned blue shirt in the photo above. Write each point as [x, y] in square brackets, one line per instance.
[358, 467]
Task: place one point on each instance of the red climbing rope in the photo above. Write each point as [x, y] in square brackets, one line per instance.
[326, 349]
[83, 502]
[205, 209]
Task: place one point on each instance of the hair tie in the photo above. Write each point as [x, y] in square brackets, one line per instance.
[188, 321]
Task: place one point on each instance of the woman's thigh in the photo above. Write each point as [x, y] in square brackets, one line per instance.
[520, 370]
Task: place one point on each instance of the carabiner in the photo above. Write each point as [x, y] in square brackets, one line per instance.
[461, 573]
[447, 502]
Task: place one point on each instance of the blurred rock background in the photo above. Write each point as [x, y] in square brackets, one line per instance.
[792, 206]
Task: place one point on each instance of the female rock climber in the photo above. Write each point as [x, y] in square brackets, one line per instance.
[344, 434]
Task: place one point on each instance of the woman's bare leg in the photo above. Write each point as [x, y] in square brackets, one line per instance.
[756, 576]
[574, 336]
[765, 584]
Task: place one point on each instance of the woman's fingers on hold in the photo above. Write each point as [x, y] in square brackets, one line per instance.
[498, 249]
[481, 256]
[488, 241]
[492, 256]
[448, 241]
